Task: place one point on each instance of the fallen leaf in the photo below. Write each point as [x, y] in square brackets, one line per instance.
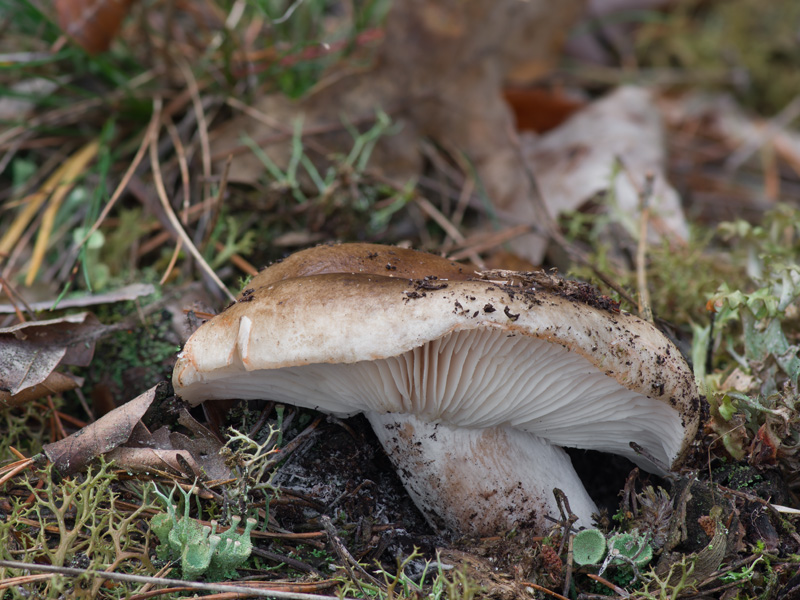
[92, 23]
[55, 383]
[576, 161]
[146, 460]
[73, 453]
[29, 352]
[196, 456]
[538, 109]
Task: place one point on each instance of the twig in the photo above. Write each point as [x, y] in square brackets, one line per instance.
[646, 193]
[609, 585]
[183, 165]
[15, 468]
[150, 133]
[544, 590]
[347, 558]
[450, 229]
[194, 585]
[215, 206]
[202, 125]
[570, 564]
[288, 13]
[649, 456]
[172, 260]
[484, 242]
[788, 114]
[173, 219]
[11, 293]
[568, 518]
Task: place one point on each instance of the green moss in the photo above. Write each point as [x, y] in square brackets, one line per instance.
[748, 46]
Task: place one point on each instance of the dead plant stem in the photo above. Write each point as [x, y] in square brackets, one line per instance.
[172, 217]
[194, 585]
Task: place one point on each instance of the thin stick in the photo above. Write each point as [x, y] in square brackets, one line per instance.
[486, 241]
[774, 126]
[152, 130]
[183, 164]
[350, 563]
[645, 311]
[213, 587]
[56, 418]
[608, 584]
[173, 219]
[570, 563]
[544, 590]
[202, 125]
[172, 260]
[21, 466]
[12, 293]
[450, 229]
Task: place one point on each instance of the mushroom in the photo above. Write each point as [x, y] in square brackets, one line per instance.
[473, 386]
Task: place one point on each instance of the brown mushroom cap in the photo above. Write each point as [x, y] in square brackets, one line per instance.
[373, 259]
[455, 353]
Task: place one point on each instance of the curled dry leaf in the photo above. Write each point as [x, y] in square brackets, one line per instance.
[73, 453]
[576, 161]
[144, 460]
[29, 352]
[55, 383]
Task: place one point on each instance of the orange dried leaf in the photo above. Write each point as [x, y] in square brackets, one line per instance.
[92, 23]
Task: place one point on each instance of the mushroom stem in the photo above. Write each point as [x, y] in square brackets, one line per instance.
[480, 481]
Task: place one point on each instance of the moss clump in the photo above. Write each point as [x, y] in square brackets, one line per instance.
[748, 45]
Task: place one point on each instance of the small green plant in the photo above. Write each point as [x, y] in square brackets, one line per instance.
[254, 460]
[743, 574]
[754, 336]
[447, 584]
[199, 548]
[670, 584]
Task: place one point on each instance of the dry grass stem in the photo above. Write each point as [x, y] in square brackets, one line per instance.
[173, 219]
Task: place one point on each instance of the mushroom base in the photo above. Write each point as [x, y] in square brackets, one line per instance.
[480, 481]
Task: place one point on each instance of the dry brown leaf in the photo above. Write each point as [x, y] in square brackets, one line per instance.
[73, 453]
[197, 456]
[146, 460]
[575, 162]
[92, 23]
[29, 352]
[55, 383]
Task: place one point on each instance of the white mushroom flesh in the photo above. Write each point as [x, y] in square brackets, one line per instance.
[481, 480]
[479, 378]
